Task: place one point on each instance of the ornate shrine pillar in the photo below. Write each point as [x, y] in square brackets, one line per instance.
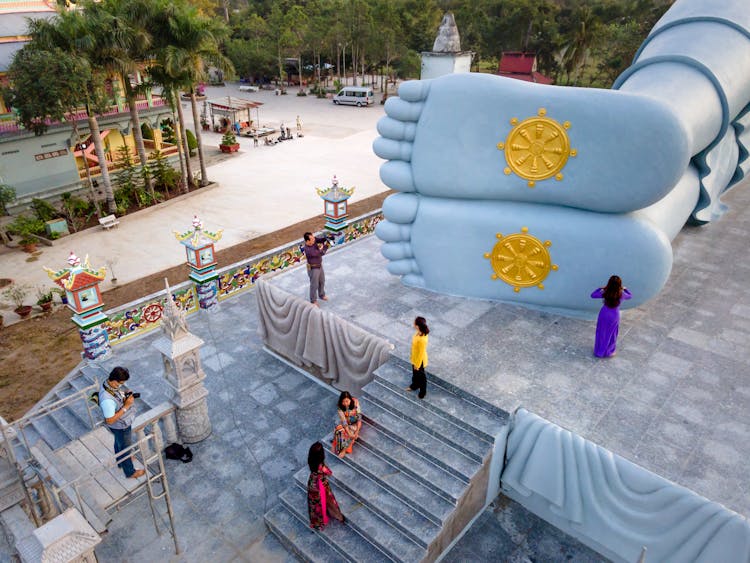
[199, 248]
[180, 350]
[81, 285]
[335, 209]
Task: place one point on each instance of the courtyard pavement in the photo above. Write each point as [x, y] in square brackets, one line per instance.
[265, 415]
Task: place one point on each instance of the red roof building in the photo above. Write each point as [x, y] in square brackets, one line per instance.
[521, 66]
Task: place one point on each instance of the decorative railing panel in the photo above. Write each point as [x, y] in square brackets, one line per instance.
[144, 315]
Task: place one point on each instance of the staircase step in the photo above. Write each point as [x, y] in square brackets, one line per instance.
[338, 537]
[459, 410]
[69, 423]
[395, 541]
[400, 484]
[448, 485]
[49, 432]
[461, 439]
[389, 507]
[298, 538]
[429, 446]
[77, 408]
[451, 388]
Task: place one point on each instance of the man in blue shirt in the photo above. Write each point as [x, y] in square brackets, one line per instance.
[116, 405]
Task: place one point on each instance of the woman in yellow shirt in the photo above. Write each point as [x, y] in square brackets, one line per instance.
[419, 357]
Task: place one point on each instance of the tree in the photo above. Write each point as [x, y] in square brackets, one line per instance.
[296, 21]
[69, 32]
[122, 47]
[187, 43]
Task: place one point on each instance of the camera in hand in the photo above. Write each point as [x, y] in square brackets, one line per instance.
[134, 395]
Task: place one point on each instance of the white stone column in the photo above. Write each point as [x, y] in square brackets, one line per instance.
[183, 372]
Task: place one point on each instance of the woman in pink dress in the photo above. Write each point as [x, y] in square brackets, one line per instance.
[608, 323]
[320, 500]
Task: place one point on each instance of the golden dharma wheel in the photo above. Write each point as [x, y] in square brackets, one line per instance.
[537, 148]
[521, 260]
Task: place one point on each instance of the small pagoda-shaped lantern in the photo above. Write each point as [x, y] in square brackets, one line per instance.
[201, 258]
[336, 206]
[81, 285]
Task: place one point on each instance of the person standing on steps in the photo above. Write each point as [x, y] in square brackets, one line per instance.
[116, 403]
[419, 357]
[314, 249]
[608, 322]
[320, 500]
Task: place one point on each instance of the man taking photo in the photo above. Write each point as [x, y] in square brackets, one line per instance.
[314, 249]
[116, 404]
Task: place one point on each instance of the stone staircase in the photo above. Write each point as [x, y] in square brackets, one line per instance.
[418, 475]
[70, 422]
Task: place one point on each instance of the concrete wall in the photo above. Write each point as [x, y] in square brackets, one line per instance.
[21, 168]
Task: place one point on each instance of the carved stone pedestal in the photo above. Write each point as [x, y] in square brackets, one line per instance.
[183, 372]
[185, 375]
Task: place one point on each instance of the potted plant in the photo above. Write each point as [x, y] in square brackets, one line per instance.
[61, 292]
[229, 142]
[44, 298]
[16, 293]
[27, 228]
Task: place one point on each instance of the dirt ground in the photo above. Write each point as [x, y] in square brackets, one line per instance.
[39, 352]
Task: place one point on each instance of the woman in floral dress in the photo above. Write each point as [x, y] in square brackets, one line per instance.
[320, 500]
[348, 424]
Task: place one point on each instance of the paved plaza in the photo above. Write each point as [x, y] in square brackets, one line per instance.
[259, 190]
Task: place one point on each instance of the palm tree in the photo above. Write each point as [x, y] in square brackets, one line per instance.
[122, 46]
[189, 45]
[171, 91]
[71, 33]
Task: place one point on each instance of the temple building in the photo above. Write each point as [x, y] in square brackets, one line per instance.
[521, 66]
[54, 163]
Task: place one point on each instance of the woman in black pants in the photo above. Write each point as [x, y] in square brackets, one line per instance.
[419, 357]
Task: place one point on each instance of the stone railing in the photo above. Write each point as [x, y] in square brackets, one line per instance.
[144, 315]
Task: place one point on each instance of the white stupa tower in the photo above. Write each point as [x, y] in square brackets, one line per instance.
[446, 56]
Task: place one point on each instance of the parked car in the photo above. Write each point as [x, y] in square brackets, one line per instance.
[248, 88]
[355, 95]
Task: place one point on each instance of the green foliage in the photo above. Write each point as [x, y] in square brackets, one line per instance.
[16, 293]
[131, 181]
[147, 131]
[165, 177]
[167, 130]
[43, 209]
[26, 227]
[77, 210]
[229, 138]
[191, 141]
[7, 195]
[43, 295]
[38, 92]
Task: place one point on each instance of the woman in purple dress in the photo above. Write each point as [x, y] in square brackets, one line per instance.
[608, 323]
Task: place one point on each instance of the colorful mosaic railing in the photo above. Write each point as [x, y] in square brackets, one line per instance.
[144, 315]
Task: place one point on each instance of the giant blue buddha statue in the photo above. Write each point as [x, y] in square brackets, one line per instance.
[536, 194]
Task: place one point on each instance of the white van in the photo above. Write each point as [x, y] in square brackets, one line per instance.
[355, 95]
